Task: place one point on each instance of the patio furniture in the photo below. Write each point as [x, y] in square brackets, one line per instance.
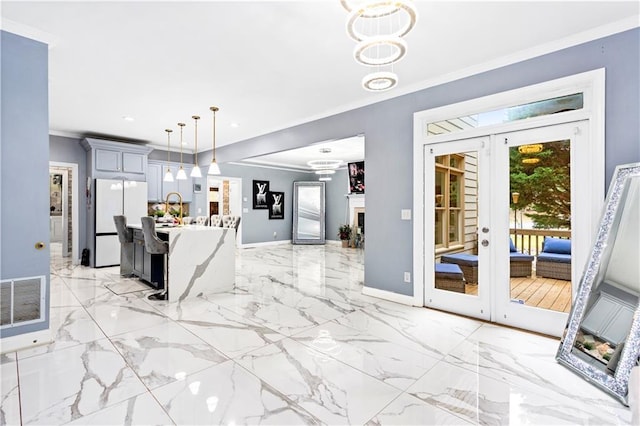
[519, 263]
[449, 276]
[467, 262]
[554, 261]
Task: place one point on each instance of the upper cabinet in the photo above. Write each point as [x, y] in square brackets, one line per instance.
[116, 160]
[158, 189]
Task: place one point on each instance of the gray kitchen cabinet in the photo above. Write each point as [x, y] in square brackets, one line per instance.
[184, 187]
[108, 160]
[154, 182]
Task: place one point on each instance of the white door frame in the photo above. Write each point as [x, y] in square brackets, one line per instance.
[75, 257]
[591, 84]
[235, 204]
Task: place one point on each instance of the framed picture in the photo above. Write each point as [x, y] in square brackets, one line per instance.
[276, 205]
[197, 188]
[356, 177]
[260, 191]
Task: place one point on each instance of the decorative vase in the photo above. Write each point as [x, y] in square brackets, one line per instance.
[345, 243]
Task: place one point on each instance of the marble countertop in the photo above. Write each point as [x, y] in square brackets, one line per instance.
[166, 229]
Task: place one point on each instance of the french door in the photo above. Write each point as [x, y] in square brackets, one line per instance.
[491, 202]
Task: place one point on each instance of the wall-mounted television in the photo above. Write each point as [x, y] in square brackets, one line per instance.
[356, 177]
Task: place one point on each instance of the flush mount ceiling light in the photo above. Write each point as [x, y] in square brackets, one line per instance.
[195, 172]
[324, 178]
[324, 164]
[168, 177]
[214, 169]
[181, 175]
[380, 50]
[325, 172]
[379, 81]
[325, 150]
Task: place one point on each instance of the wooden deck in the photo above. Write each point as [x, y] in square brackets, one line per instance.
[545, 293]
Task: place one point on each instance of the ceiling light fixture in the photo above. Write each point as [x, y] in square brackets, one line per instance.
[195, 172]
[324, 164]
[378, 27]
[325, 178]
[168, 177]
[325, 172]
[214, 169]
[181, 175]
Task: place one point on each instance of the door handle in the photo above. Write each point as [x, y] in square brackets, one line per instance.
[484, 243]
[40, 245]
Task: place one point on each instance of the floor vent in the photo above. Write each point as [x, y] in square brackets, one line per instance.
[22, 301]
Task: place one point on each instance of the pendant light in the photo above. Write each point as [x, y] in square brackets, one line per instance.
[181, 175]
[168, 177]
[195, 172]
[213, 168]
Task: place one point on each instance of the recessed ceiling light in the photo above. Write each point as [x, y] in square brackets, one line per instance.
[235, 125]
[128, 118]
[325, 150]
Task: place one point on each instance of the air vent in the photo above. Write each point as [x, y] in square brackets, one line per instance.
[21, 301]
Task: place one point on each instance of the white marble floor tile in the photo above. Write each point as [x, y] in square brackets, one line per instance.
[127, 285]
[165, 353]
[9, 392]
[64, 385]
[69, 326]
[483, 400]
[121, 314]
[407, 410]
[332, 391]
[419, 329]
[539, 373]
[372, 355]
[223, 329]
[228, 394]
[138, 410]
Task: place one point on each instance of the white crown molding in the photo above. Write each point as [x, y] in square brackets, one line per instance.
[268, 166]
[29, 32]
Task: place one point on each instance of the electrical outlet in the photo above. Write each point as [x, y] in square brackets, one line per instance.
[275, 234]
[407, 277]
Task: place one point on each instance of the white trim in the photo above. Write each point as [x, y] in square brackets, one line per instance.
[75, 249]
[268, 166]
[266, 243]
[25, 341]
[390, 296]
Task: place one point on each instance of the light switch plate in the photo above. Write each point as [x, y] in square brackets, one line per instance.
[405, 214]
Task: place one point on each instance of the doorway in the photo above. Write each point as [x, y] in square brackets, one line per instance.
[63, 210]
[495, 203]
[224, 197]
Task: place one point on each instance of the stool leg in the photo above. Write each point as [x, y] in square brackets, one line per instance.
[164, 294]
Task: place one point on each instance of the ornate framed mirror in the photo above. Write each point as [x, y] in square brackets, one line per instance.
[308, 213]
[602, 338]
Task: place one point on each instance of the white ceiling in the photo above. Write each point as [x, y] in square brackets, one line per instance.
[268, 65]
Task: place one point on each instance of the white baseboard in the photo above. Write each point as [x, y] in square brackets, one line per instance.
[267, 243]
[25, 341]
[390, 296]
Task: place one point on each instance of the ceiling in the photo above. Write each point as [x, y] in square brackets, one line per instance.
[267, 65]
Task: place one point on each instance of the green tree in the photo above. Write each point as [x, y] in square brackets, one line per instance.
[544, 186]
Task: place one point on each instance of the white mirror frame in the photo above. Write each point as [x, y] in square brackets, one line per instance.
[297, 186]
[616, 384]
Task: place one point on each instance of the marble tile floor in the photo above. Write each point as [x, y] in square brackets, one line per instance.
[296, 342]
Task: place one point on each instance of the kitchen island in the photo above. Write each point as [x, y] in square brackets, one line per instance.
[201, 260]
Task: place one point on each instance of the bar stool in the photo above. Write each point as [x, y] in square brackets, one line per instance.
[125, 235]
[216, 220]
[155, 245]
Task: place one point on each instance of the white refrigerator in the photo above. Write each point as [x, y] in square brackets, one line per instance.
[115, 197]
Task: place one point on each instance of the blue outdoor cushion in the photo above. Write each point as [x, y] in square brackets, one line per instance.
[520, 257]
[460, 259]
[556, 245]
[448, 270]
[512, 246]
[555, 257]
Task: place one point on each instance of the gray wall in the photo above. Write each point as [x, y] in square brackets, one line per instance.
[69, 150]
[336, 203]
[256, 226]
[24, 164]
[388, 128]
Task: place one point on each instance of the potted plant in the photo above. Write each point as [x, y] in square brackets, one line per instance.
[344, 232]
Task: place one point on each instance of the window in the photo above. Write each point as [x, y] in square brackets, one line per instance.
[449, 200]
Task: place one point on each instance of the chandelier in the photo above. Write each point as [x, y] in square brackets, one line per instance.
[378, 26]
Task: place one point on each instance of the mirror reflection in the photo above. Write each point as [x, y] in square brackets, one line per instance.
[308, 213]
[599, 342]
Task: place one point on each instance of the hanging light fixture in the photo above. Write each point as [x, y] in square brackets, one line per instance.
[378, 27]
[168, 177]
[214, 169]
[181, 175]
[195, 172]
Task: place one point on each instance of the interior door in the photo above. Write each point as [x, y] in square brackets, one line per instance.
[457, 257]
